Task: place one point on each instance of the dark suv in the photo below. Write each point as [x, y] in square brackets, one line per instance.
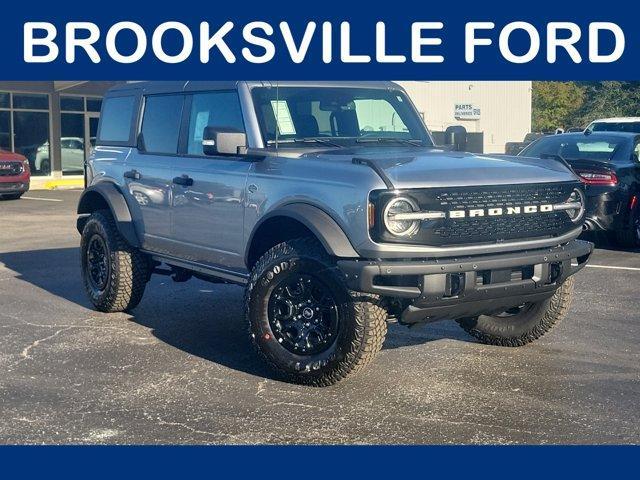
[331, 205]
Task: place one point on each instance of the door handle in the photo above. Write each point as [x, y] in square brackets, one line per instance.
[184, 180]
[132, 174]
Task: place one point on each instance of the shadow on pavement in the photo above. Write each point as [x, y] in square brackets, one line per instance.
[201, 319]
[55, 270]
[604, 241]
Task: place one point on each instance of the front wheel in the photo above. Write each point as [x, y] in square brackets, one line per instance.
[114, 273]
[304, 321]
[45, 167]
[523, 324]
[10, 196]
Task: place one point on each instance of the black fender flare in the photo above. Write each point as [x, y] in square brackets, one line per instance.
[110, 194]
[320, 223]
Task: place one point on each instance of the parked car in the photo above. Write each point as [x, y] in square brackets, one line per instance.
[608, 164]
[72, 149]
[333, 229]
[620, 124]
[15, 175]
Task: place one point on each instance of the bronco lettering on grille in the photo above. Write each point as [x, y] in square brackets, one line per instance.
[499, 211]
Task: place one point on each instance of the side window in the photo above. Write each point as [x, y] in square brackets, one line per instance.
[216, 109]
[116, 119]
[544, 146]
[161, 123]
[636, 152]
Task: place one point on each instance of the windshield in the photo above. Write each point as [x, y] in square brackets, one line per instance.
[633, 127]
[336, 116]
[578, 147]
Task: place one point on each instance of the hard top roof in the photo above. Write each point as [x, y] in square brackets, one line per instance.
[152, 87]
[617, 120]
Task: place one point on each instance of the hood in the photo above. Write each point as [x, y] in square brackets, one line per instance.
[10, 157]
[409, 167]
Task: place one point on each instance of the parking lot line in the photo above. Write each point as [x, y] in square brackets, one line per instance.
[635, 269]
[42, 199]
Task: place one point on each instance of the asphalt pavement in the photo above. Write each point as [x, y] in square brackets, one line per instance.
[181, 368]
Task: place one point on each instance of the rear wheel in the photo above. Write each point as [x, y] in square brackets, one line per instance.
[523, 324]
[305, 322]
[630, 237]
[114, 273]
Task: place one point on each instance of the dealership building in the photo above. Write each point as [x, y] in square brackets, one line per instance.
[54, 124]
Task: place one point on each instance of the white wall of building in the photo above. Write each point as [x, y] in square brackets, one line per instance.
[505, 108]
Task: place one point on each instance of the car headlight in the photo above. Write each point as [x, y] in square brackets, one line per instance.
[573, 206]
[397, 217]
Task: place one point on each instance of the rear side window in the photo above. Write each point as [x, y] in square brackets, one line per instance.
[161, 123]
[218, 109]
[633, 127]
[116, 119]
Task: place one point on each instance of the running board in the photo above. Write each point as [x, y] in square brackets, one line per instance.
[221, 273]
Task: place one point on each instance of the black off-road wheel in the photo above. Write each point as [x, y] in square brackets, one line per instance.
[304, 321]
[114, 273]
[630, 237]
[521, 325]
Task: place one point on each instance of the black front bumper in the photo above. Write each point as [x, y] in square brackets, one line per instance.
[469, 286]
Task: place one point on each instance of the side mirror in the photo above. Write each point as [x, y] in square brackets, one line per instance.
[223, 141]
[456, 137]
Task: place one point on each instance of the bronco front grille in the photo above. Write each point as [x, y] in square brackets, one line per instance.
[488, 229]
[10, 169]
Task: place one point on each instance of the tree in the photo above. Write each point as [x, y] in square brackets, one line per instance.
[554, 104]
[608, 99]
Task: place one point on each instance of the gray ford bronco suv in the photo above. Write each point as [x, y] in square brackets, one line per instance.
[330, 204]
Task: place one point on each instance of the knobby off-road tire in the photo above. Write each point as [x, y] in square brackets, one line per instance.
[126, 269]
[361, 320]
[529, 324]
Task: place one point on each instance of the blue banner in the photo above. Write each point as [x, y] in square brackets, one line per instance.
[312, 463]
[331, 39]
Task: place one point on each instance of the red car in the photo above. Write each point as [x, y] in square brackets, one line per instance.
[15, 175]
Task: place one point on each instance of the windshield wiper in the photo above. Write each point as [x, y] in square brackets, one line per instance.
[306, 140]
[415, 143]
[318, 140]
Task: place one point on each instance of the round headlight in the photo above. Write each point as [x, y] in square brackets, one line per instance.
[393, 213]
[576, 198]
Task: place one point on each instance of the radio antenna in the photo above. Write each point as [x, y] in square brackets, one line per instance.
[277, 114]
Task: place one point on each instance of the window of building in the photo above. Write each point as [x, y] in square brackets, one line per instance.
[76, 110]
[30, 101]
[72, 143]
[94, 104]
[72, 104]
[219, 109]
[31, 139]
[5, 130]
[115, 125]
[161, 123]
[24, 128]
[25, 122]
